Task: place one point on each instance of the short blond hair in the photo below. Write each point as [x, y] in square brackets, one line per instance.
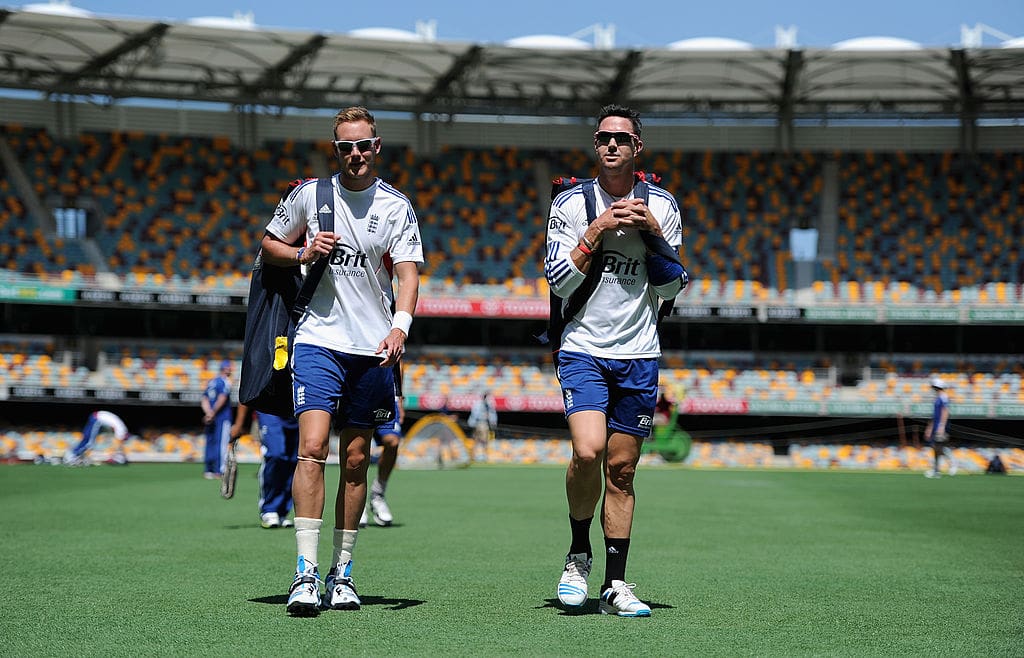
[354, 113]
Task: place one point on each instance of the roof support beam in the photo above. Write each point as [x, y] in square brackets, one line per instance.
[787, 99]
[968, 101]
[617, 88]
[442, 87]
[273, 78]
[98, 64]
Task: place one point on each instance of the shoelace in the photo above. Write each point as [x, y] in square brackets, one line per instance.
[341, 580]
[347, 582]
[576, 568]
[626, 592]
[304, 579]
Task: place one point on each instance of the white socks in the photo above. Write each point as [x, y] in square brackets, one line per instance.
[344, 542]
[307, 538]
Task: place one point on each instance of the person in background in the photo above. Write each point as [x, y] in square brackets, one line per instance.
[388, 436]
[99, 421]
[935, 435]
[483, 418]
[279, 449]
[216, 405]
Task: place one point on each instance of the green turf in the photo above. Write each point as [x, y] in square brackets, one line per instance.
[149, 560]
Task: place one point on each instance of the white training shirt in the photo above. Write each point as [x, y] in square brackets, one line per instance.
[351, 309]
[111, 420]
[620, 319]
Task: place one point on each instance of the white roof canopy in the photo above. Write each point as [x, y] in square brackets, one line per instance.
[127, 58]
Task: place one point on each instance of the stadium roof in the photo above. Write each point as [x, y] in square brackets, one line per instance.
[126, 58]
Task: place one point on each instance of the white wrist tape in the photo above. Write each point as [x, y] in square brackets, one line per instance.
[403, 321]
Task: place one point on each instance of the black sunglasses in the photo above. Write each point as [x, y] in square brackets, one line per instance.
[602, 137]
[362, 145]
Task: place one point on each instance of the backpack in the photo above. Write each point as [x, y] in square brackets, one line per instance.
[558, 318]
[278, 296]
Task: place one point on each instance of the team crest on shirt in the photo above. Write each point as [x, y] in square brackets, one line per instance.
[371, 226]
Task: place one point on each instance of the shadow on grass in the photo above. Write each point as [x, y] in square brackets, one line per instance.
[589, 608]
[255, 525]
[390, 603]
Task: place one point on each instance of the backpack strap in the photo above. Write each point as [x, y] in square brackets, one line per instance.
[659, 245]
[558, 317]
[324, 197]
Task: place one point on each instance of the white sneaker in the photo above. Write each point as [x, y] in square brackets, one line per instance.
[931, 474]
[572, 586]
[381, 511]
[341, 591]
[304, 594]
[363, 520]
[270, 520]
[620, 600]
[952, 468]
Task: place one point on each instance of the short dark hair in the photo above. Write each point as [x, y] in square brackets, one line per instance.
[621, 111]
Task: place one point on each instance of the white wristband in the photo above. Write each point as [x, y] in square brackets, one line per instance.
[403, 321]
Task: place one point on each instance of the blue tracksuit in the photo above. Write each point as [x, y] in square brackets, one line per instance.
[218, 433]
[280, 438]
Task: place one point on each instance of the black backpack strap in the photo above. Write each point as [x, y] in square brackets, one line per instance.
[324, 197]
[398, 380]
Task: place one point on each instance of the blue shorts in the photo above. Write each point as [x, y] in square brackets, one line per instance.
[354, 388]
[625, 390]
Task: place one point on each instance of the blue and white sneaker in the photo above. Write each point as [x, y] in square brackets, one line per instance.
[572, 586]
[304, 594]
[341, 590]
[620, 600]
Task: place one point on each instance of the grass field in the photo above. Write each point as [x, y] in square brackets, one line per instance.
[148, 560]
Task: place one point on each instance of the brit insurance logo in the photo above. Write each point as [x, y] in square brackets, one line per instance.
[621, 269]
[568, 398]
[281, 212]
[643, 420]
[348, 261]
[383, 415]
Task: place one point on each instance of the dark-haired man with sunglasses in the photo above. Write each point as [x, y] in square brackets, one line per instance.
[345, 343]
[608, 356]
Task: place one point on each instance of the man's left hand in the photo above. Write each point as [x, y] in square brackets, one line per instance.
[391, 348]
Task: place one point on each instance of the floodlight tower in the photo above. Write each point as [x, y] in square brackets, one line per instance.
[604, 35]
[972, 37]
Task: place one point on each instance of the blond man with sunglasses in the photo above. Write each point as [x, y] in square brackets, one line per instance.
[352, 333]
[607, 361]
